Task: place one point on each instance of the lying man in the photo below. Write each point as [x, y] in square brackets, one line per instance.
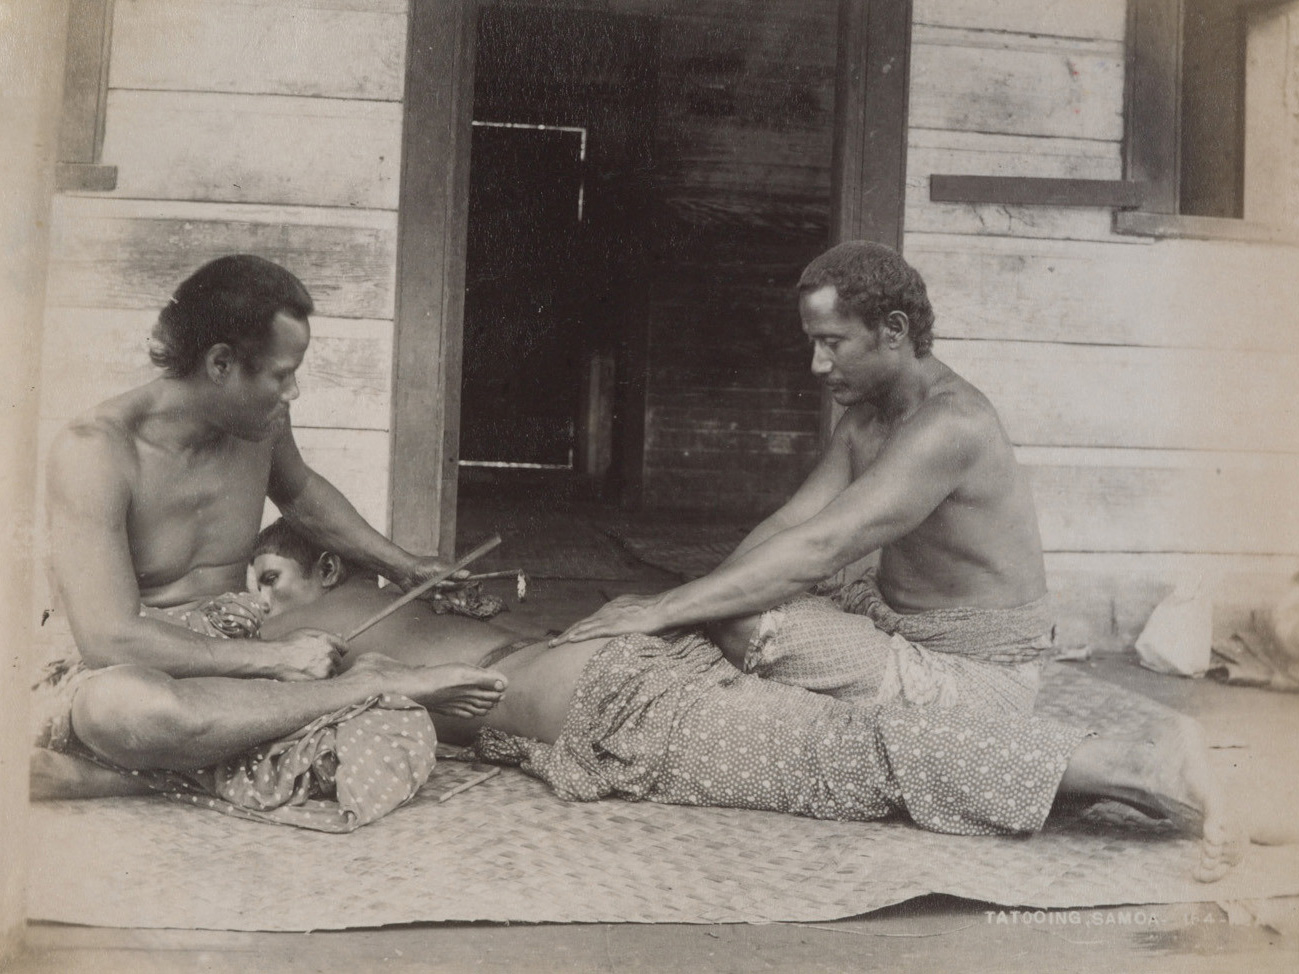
[920, 472]
[673, 721]
[154, 500]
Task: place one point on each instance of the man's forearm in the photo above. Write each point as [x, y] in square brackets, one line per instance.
[768, 528]
[772, 572]
[176, 651]
[322, 513]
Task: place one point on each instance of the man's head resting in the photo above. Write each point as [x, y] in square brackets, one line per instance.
[289, 571]
[872, 280]
[233, 301]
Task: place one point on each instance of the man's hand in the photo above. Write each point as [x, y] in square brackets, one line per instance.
[421, 569]
[304, 654]
[626, 613]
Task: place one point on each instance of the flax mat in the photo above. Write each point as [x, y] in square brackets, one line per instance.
[508, 850]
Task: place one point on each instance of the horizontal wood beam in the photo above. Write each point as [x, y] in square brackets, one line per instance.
[1202, 228]
[1036, 191]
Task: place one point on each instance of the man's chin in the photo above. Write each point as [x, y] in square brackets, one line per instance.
[270, 431]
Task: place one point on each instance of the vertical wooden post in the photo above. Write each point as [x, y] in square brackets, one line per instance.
[1152, 133]
[433, 207]
[869, 165]
[31, 68]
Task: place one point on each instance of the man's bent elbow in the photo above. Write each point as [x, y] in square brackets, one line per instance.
[825, 555]
[106, 648]
[134, 718]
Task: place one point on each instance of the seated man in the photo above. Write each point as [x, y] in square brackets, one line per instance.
[919, 472]
[673, 721]
[154, 498]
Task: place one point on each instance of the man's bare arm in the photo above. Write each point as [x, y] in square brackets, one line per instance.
[320, 511]
[829, 478]
[915, 471]
[89, 496]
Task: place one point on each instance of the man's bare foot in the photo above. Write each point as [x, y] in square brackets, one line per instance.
[1168, 776]
[453, 689]
[55, 775]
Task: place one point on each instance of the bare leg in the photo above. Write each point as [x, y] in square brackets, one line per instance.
[1166, 774]
[55, 775]
[141, 718]
[452, 689]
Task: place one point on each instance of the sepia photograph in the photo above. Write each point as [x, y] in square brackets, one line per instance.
[649, 486]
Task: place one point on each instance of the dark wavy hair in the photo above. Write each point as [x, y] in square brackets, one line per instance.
[232, 300]
[872, 280]
[283, 539]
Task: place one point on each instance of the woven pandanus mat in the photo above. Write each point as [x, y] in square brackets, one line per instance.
[508, 850]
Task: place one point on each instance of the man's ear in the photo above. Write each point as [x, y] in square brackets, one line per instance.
[219, 362]
[896, 328]
[329, 569]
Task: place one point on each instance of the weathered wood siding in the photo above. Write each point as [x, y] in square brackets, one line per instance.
[270, 127]
[1150, 385]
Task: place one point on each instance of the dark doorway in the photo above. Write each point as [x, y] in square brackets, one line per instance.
[555, 308]
[524, 334]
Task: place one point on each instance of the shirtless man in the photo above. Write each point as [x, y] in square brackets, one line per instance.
[155, 498]
[920, 471]
[675, 722]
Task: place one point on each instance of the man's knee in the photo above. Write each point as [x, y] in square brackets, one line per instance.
[133, 717]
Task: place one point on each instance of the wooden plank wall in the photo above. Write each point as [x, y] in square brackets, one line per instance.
[1149, 385]
[262, 126]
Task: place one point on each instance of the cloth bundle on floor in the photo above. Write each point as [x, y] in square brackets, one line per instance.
[341, 771]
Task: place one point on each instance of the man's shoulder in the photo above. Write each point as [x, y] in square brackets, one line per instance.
[956, 422]
[959, 406]
[100, 441]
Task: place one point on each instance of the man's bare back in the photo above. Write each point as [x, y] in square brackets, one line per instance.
[413, 634]
[541, 679]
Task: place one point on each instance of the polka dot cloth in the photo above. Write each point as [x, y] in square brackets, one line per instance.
[848, 642]
[810, 642]
[341, 771]
[674, 722]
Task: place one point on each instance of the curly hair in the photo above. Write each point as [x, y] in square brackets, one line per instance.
[232, 300]
[872, 280]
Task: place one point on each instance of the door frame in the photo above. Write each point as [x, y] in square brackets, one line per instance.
[868, 184]
[432, 220]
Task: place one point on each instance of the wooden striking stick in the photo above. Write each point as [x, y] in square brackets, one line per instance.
[469, 783]
[423, 587]
[506, 573]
